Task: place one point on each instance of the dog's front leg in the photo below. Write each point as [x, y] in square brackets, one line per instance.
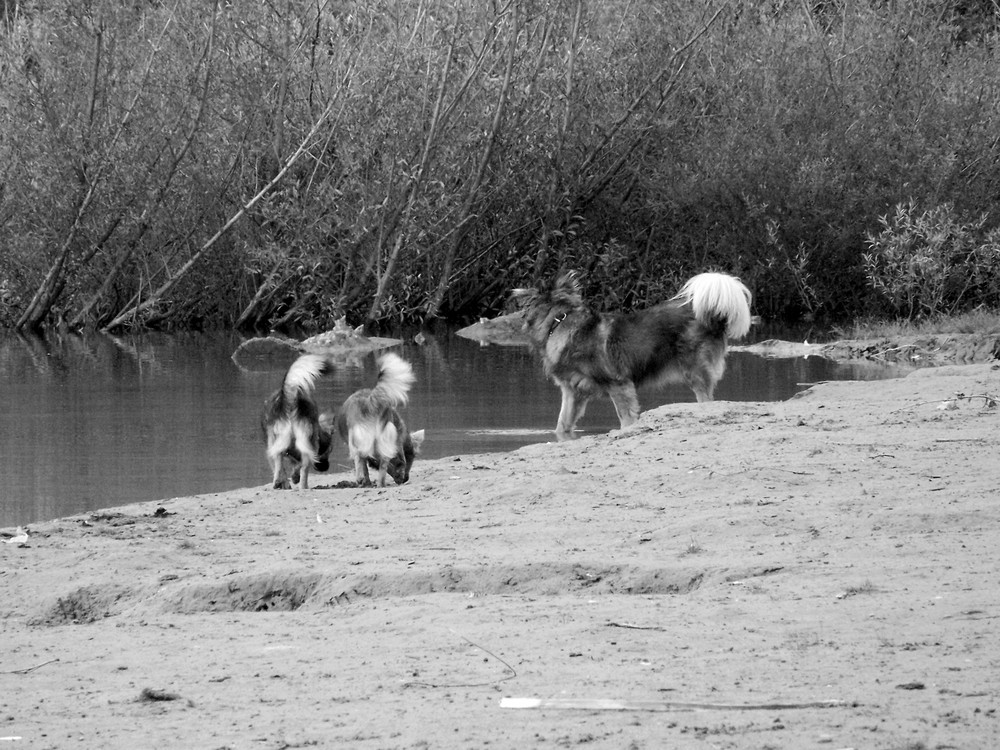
[574, 404]
[304, 476]
[567, 414]
[383, 469]
[578, 412]
[626, 403]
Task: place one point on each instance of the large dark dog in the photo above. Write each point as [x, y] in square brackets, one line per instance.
[370, 424]
[298, 437]
[589, 353]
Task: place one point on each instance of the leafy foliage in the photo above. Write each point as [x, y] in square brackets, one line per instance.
[393, 161]
[933, 262]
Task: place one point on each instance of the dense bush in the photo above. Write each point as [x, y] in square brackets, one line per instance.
[393, 161]
[933, 263]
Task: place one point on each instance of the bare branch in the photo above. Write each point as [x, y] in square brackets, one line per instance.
[154, 299]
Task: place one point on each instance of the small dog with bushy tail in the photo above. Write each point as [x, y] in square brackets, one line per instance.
[298, 437]
[375, 433]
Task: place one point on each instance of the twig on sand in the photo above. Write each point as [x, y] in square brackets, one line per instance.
[29, 669]
[990, 401]
[630, 626]
[511, 676]
[611, 704]
[152, 695]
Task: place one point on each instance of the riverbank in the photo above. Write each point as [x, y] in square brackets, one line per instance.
[817, 572]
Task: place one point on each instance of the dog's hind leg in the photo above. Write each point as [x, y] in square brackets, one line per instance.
[626, 403]
[703, 394]
[361, 471]
[279, 477]
[702, 383]
[278, 482]
[710, 366]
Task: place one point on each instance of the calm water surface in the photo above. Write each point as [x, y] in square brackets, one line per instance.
[96, 421]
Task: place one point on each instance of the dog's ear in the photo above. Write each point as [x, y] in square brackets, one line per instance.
[417, 438]
[567, 289]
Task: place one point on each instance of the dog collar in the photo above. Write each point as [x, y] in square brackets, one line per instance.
[555, 324]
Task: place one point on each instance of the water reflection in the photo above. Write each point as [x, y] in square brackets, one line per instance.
[96, 421]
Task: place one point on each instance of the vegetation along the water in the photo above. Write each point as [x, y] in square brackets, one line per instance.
[180, 164]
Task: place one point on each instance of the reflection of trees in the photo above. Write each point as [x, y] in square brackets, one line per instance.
[52, 355]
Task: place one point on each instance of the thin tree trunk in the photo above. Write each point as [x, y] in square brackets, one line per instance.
[50, 288]
[439, 119]
[55, 280]
[597, 184]
[410, 193]
[138, 311]
[263, 291]
[168, 179]
[671, 68]
[555, 167]
[466, 217]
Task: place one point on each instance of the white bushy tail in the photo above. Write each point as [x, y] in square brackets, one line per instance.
[289, 430]
[302, 375]
[395, 377]
[718, 295]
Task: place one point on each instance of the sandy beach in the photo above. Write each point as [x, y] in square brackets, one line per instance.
[823, 572]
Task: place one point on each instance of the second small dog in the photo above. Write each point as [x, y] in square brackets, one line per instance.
[370, 424]
[298, 437]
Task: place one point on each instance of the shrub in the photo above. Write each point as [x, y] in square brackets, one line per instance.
[932, 262]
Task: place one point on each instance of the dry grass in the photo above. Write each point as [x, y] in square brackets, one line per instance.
[865, 588]
[976, 321]
[693, 549]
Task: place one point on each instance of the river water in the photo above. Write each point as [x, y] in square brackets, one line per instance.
[97, 421]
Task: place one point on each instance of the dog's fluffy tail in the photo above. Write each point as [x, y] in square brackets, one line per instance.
[715, 296]
[290, 413]
[395, 377]
[300, 380]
